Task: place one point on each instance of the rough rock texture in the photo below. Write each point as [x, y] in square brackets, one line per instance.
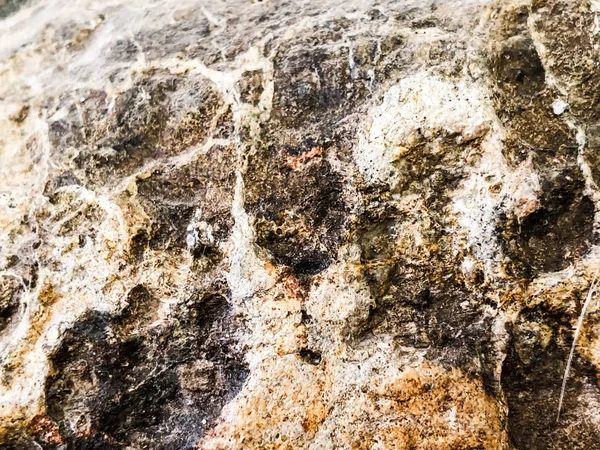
[298, 225]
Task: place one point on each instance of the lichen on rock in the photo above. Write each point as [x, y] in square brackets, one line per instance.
[298, 225]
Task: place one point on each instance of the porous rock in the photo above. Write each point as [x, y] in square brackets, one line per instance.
[299, 225]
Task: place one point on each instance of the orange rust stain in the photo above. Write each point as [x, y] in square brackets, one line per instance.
[292, 287]
[296, 162]
[316, 413]
[46, 429]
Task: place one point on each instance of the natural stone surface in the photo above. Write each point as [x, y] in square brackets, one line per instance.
[298, 225]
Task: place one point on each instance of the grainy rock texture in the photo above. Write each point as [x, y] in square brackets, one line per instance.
[341, 224]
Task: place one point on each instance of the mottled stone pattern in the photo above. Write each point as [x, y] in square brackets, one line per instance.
[269, 224]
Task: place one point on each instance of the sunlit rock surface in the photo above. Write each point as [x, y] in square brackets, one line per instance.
[298, 225]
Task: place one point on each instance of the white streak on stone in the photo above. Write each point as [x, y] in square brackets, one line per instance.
[247, 272]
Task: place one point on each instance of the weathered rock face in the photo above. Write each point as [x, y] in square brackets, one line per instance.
[299, 225]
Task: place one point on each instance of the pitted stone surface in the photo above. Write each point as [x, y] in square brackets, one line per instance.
[298, 225]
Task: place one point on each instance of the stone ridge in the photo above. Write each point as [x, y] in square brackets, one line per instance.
[298, 225]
